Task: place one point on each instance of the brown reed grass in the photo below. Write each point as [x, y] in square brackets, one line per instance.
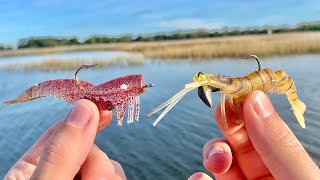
[55, 64]
[200, 49]
[282, 44]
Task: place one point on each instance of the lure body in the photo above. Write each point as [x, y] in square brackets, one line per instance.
[114, 94]
[236, 88]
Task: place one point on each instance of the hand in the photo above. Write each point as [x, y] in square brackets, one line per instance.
[264, 148]
[67, 151]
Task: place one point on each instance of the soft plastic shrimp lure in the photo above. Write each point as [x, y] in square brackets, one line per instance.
[237, 88]
[110, 95]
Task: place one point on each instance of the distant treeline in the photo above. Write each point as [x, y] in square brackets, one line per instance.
[2, 47]
[52, 42]
[46, 42]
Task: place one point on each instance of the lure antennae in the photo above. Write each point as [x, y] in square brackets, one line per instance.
[172, 102]
[169, 101]
[82, 67]
[256, 58]
[148, 86]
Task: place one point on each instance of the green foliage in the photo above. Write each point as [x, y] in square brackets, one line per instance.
[308, 27]
[99, 40]
[3, 47]
[46, 42]
[215, 34]
[139, 38]
[283, 30]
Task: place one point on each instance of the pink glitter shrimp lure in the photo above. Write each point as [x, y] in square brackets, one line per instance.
[114, 94]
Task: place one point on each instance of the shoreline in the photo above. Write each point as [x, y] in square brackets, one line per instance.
[199, 49]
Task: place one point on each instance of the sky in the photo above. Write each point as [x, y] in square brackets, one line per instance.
[79, 18]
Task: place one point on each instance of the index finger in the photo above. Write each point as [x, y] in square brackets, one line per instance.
[243, 151]
[278, 147]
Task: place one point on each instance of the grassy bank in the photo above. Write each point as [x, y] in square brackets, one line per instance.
[54, 64]
[40, 42]
[206, 48]
[261, 45]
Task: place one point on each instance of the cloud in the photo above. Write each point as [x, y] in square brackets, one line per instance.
[189, 23]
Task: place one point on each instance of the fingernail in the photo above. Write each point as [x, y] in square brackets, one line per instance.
[214, 151]
[262, 105]
[80, 115]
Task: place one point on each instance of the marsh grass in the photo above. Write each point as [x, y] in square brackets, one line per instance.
[202, 49]
[261, 45]
[60, 64]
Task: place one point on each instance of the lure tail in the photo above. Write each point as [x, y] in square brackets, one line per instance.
[67, 89]
[13, 101]
[285, 85]
[27, 95]
[298, 108]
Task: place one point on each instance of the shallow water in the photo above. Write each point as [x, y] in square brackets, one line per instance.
[173, 149]
[65, 56]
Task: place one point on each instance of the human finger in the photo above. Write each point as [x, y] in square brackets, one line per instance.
[66, 150]
[97, 166]
[217, 158]
[28, 162]
[26, 165]
[199, 176]
[247, 158]
[278, 147]
[118, 169]
[33, 154]
[105, 119]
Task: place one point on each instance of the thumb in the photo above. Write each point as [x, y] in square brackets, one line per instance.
[66, 150]
[278, 147]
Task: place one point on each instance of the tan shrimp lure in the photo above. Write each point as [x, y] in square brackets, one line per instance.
[236, 88]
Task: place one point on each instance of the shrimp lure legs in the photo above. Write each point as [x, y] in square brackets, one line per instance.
[114, 94]
[236, 88]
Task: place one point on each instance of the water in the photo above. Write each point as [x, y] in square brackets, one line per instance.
[66, 56]
[172, 150]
